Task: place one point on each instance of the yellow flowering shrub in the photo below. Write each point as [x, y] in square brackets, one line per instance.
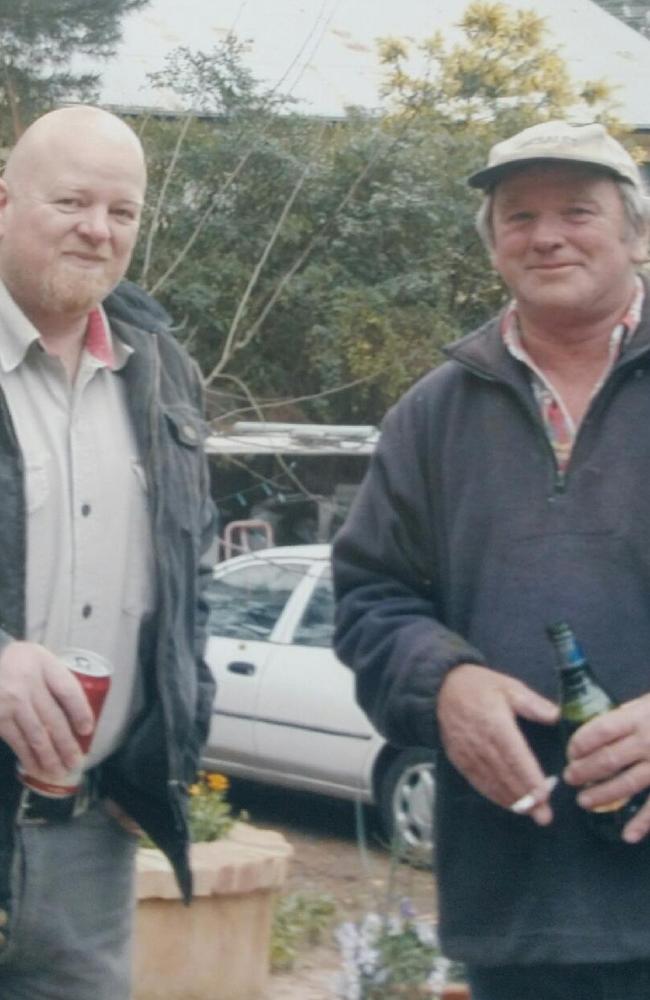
[210, 815]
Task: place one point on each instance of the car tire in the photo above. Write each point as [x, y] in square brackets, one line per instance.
[405, 803]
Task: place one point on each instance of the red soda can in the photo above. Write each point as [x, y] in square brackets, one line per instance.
[94, 674]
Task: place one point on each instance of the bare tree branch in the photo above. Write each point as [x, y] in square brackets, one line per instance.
[297, 264]
[155, 221]
[183, 252]
[229, 346]
[259, 407]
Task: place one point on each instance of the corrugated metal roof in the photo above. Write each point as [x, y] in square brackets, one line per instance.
[324, 51]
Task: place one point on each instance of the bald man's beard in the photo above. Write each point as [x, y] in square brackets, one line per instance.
[71, 291]
[62, 289]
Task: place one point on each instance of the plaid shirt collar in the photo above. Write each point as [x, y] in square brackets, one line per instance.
[560, 427]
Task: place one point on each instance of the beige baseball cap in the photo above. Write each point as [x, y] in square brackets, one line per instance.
[558, 141]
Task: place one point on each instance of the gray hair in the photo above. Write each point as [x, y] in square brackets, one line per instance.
[636, 208]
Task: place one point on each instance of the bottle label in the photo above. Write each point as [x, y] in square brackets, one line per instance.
[610, 807]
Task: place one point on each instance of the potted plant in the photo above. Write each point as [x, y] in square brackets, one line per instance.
[219, 946]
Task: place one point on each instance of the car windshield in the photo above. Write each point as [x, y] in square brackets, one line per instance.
[316, 627]
[246, 602]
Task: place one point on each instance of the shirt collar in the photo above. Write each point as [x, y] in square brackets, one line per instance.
[17, 334]
[101, 345]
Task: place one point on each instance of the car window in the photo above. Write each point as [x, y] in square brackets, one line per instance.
[247, 602]
[316, 627]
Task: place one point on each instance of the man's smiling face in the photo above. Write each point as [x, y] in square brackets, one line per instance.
[562, 241]
[68, 224]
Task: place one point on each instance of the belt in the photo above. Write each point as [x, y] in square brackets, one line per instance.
[37, 809]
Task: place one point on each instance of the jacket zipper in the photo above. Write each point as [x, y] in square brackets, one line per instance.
[531, 411]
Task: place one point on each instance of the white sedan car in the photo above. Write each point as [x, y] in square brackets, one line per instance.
[285, 711]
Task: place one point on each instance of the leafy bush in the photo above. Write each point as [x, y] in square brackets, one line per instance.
[210, 816]
[299, 920]
[391, 957]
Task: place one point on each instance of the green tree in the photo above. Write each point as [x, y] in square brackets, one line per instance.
[431, 278]
[300, 256]
[38, 39]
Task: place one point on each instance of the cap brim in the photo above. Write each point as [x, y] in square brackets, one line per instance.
[486, 179]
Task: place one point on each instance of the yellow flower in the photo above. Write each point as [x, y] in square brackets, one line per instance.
[194, 789]
[217, 782]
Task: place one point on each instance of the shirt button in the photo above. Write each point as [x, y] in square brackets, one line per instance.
[85, 510]
[87, 610]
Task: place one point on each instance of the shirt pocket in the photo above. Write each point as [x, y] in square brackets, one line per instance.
[138, 590]
[37, 486]
[184, 479]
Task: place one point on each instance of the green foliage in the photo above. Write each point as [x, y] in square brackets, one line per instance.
[505, 71]
[217, 81]
[407, 957]
[300, 920]
[209, 813]
[391, 956]
[38, 39]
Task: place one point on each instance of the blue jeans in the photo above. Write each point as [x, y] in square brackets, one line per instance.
[606, 981]
[73, 912]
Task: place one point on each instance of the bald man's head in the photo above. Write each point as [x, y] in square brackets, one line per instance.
[70, 205]
[79, 124]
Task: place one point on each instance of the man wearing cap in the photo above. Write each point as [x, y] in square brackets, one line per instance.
[511, 489]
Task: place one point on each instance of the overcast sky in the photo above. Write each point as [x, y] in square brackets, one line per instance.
[323, 51]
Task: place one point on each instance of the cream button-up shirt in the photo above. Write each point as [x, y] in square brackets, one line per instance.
[89, 549]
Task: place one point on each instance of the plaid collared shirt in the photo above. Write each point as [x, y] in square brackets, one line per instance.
[560, 426]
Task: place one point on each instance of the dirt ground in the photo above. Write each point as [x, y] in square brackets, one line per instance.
[327, 859]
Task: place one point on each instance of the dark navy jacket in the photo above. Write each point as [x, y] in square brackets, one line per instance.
[463, 544]
[148, 776]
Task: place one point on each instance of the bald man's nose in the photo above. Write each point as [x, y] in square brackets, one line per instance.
[95, 224]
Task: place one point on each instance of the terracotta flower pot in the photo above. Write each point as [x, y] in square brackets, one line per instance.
[218, 948]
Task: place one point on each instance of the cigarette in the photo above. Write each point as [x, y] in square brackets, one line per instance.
[529, 801]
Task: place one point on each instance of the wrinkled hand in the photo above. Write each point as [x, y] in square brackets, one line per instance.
[477, 716]
[42, 706]
[614, 751]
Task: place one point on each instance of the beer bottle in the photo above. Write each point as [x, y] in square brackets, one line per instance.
[582, 698]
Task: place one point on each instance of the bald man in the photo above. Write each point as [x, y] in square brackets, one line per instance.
[104, 516]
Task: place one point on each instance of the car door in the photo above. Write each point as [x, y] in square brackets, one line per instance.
[309, 727]
[246, 602]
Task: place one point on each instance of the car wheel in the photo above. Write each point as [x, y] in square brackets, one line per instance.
[406, 805]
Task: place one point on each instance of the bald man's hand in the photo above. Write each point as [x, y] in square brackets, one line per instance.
[477, 716]
[42, 709]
